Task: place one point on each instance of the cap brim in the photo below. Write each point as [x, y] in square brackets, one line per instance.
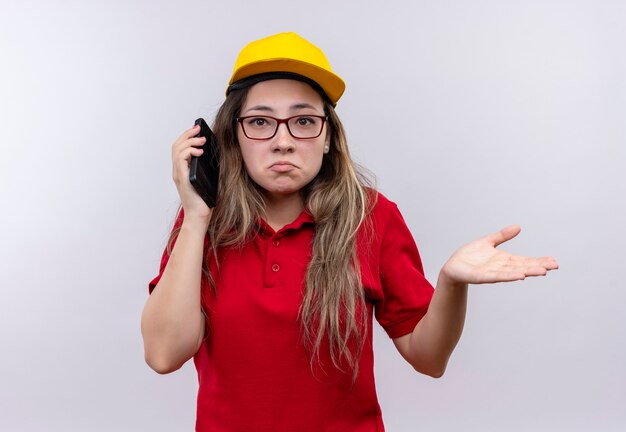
[332, 84]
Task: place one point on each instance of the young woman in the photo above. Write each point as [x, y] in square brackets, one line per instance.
[272, 292]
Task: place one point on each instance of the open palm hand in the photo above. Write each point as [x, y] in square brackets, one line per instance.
[480, 262]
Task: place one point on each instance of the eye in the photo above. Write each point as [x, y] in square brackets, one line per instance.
[257, 121]
[306, 121]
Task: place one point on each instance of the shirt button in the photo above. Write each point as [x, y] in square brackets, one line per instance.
[275, 267]
[276, 243]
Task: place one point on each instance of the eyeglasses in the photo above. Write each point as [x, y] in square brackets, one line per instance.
[265, 127]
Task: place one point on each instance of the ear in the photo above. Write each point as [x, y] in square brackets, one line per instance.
[327, 141]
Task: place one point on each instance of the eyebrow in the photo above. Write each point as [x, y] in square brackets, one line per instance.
[294, 107]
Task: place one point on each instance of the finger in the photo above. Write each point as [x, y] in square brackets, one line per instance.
[548, 263]
[531, 267]
[193, 151]
[535, 271]
[194, 141]
[192, 131]
[502, 276]
[180, 151]
[189, 133]
[505, 234]
[188, 153]
[181, 164]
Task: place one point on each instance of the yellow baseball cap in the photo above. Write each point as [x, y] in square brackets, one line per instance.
[285, 55]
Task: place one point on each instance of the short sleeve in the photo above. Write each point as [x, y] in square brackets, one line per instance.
[406, 291]
[165, 257]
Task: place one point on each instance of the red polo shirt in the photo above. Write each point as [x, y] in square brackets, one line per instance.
[254, 374]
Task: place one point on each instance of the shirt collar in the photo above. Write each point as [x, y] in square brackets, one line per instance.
[305, 217]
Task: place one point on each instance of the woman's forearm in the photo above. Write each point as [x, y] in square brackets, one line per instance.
[438, 332]
[172, 323]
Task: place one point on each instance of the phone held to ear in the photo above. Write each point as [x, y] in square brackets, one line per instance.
[204, 169]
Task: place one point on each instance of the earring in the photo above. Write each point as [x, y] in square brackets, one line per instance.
[326, 149]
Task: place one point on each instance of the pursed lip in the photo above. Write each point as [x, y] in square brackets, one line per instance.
[283, 163]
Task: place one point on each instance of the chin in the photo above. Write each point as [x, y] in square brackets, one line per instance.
[283, 190]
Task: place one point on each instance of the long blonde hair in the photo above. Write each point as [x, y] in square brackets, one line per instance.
[339, 199]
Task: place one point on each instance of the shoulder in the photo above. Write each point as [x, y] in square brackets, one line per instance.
[382, 214]
[381, 208]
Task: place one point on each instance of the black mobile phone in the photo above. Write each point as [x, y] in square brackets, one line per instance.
[204, 170]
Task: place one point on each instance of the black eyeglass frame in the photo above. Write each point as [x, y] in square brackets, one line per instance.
[240, 120]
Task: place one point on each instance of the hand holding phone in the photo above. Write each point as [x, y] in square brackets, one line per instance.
[204, 170]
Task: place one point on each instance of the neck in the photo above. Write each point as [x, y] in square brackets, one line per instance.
[282, 209]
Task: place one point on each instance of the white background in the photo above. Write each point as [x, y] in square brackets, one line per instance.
[473, 115]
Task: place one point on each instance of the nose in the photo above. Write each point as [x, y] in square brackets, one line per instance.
[283, 141]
